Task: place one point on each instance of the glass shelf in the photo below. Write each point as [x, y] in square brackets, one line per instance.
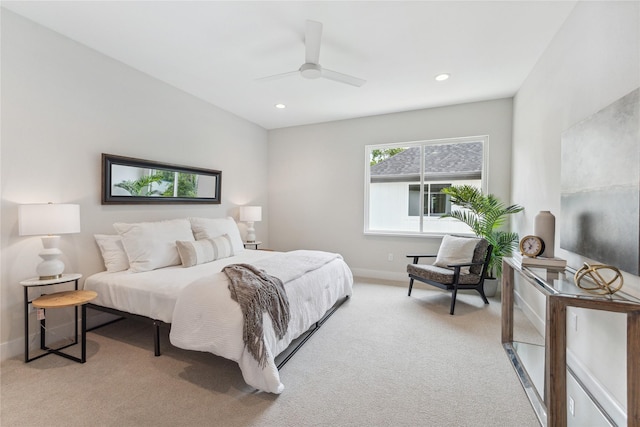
[561, 281]
[537, 350]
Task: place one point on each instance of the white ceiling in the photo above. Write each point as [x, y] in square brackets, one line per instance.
[217, 50]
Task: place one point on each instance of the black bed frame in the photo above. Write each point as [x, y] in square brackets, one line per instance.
[158, 323]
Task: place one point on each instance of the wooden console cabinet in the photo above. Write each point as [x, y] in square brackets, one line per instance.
[560, 293]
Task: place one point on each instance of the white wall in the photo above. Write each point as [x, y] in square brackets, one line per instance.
[593, 61]
[316, 179]
[62, 106]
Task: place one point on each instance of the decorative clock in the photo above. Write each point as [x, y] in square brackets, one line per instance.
[531, 246]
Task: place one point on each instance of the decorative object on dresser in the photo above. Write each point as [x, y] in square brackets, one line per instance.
[531, 246]
[250, 214]
[534, 248]
[539, 261]
[544, 226]
[601, 285]
[49, 220]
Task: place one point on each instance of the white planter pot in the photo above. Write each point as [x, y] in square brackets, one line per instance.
[491, 287]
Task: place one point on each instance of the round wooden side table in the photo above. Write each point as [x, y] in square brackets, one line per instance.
[66, 299]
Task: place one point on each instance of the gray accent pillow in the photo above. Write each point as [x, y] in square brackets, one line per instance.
[205, 250]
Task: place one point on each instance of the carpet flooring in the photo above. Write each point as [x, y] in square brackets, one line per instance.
[383, 359]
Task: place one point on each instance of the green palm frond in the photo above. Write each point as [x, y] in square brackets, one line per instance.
[485, 215]
[141, 186]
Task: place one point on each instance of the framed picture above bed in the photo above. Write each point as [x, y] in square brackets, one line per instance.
[136, 181]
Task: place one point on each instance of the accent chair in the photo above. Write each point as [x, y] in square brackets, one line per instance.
[461, 263]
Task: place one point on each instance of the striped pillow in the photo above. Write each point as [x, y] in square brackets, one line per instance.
[206, 250]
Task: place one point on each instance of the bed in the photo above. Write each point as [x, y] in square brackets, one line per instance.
[149, 275]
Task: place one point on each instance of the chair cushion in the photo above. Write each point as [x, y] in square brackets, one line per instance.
[479, 255]
[440, 275]
[456, 250]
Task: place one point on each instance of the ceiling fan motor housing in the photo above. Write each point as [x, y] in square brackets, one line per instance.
[310, 71]
[311, 68]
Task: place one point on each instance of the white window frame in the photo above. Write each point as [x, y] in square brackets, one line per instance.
[367, 180]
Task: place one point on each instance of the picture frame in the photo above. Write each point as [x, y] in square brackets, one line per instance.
[127, 180]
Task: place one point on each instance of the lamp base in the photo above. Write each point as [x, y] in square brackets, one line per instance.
[251, 232]
[57, 276]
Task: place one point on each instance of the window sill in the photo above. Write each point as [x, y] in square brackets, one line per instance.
[414, 234]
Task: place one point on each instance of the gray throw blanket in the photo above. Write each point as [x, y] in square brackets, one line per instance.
[257, 292]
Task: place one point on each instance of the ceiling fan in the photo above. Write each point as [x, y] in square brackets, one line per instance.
[312, 69]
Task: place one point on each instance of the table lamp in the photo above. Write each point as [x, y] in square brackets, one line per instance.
[49, 220]
[250, 214]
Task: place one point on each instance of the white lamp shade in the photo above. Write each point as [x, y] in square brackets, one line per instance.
[250, 213]
[48, 219]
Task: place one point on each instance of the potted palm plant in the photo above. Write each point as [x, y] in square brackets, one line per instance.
[485, 214]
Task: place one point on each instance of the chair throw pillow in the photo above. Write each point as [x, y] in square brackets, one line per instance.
[206, 250]
[456, 250]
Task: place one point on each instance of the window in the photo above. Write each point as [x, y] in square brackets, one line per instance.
[404, 183]
[436, 203]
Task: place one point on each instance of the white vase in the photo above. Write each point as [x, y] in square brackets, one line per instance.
[544, 226]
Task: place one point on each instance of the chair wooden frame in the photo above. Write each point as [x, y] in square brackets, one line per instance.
[454, 286]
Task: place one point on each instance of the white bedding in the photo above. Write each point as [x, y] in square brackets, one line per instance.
[197, 302]
[153, 294]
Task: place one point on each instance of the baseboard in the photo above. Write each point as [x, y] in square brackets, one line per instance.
[380, 275]
[11, 349]
[15, 348]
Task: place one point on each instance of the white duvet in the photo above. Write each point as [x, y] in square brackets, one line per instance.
[205, 318]
[153, 294]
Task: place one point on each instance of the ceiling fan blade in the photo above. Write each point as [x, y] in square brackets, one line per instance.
[312, 37]
[342, 78]
[278, 76]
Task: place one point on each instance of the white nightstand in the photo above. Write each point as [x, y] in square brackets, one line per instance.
[73, 298]
[248, 245]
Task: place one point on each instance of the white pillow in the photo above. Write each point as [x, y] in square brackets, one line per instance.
[207, 250]
[210, 228]
[152, 245]
[112, 250]
[456, 250]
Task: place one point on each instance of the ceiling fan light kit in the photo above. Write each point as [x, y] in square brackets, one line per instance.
[312, 69]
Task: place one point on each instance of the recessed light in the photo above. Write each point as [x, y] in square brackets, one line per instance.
[281, 106]
[442, 77]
